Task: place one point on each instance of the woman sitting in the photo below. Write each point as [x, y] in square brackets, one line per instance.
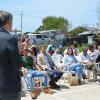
[72, 64]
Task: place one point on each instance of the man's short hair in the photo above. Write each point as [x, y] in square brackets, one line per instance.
[5, 17]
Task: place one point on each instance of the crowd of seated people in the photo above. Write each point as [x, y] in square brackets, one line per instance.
[38, 62]
[30, 70]
[88, 57]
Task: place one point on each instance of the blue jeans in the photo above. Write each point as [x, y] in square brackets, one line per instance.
[54, 75]
[34, 73]
[77, 68]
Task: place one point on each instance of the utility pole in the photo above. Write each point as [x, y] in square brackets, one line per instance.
[21, 22]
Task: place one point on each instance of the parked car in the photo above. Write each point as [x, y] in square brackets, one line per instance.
[38, 38]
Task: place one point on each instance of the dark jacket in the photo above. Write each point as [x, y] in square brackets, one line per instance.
[10, 63]
[98, 59]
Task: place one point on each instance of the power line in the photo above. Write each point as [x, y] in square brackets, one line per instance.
[28, 15]
[32, 16]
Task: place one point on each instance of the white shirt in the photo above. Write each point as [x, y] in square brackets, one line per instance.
[93, 55]
[84, 58]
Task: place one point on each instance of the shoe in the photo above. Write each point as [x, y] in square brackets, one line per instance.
[51, 84]
[54, 86]
[33, 95]
[47, 90]
[37, 90]
[85, 77]
[79, 81]
[57, 86]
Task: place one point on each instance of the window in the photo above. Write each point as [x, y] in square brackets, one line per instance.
[44, 36]
[39, 36]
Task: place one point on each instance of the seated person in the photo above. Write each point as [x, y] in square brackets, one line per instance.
[98, 56]
[92, 53]
[59, 50]
[95, 45]
[86, 60]
[98, 59]
[75, 48]
[31, 71]
[50, 50]
[72, 64]
[45, 62]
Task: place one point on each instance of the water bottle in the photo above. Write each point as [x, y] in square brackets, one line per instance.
[37, 83]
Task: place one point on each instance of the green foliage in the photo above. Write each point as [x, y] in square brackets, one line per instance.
[77, 30]
[41, 28]
[53, 22]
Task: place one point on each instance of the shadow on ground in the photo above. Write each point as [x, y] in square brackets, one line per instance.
[64, 87]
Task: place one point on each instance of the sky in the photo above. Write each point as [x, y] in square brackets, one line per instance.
[77, 12]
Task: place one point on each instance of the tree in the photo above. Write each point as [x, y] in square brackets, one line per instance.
[77, 30]
[53, 22]
[40, 28]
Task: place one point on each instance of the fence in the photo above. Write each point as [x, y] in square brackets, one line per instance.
[79, 39]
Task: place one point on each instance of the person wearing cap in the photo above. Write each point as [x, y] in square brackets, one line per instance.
[59, 50]
[50, 50]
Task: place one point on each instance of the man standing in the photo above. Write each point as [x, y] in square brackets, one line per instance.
[10, 63]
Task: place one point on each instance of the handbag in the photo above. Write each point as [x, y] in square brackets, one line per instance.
[73, 79]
